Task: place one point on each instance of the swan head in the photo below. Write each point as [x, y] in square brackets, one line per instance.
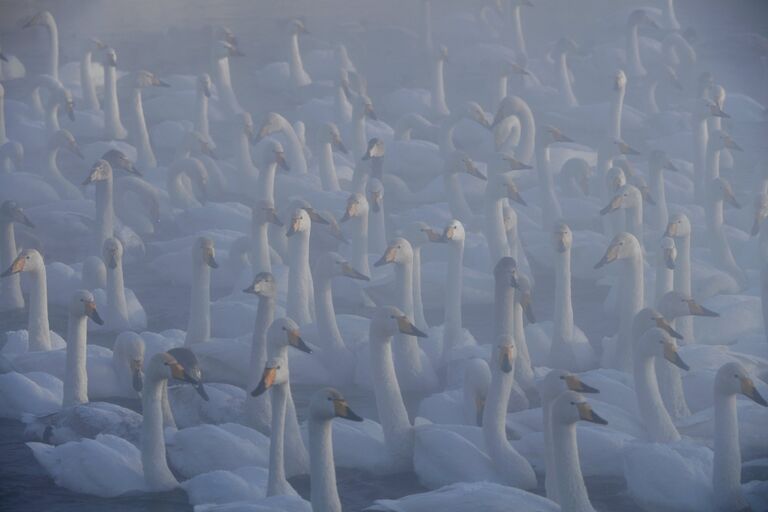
[761, 212]
[564, 45]
[476, 113]
[562, 237]
[82, 304]
[620, 81]
[524, 297]
[314, 216]
[675, 304]
[679, 226]
[300, 222]
[656, 342]
[453, 232]
[112, 252]
[284, 332]
[272, 152]
[375, 193]
[640, 17]
[225, 50]
[363, 107]
[148, 79]
[579, 172]
[29, 260]
[658, 159]
[180, 364]
[513, 164]
[298, 27]
[328, 403]
[648, 318]
[720, 189]
[42, 18]
[10, 211]
[333, 264]
[399, 251]
[627, 197]
[375, 149]
[263, 285]
[110, 58]
[205, 85]
[275, 373]
[264, 212]
[721, 140]
[118, 160]
[668, 252]
[418, 233]
[63, 139]
[571, 407]
[100, 171]
[274, 122]
[615, 178]
[357, 206]
[625, 149]
[389, 320]
[733, 379]
[505, 272]
[129, 348]
[12, 150]
[552, 134]
[330, 134]
[505, 354]
[557, 381]
[459, 161]
[204, 253]
[623, 246]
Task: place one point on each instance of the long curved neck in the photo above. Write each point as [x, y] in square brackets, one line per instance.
[726, 476]
[360, 244]
[295, 149]
[632, 292]
[700, 143]
[146, 156]
[658, 190]
[377, 236]
[504, 310]
[502, 89]
[157, 475]
[117, 306]
[343, 106]
[398, 431]
[551, 210]
[244, 158]
[298, 74]
[257, 409]
[669, 13]
[523, 368]
[199, 326]
[223, 80]
[10, 287]
[201, 119]
[277, 484]
[656, 419]
[75, 374]
[328, 176]
[617, 105]
[52, 117]
[260, 260]
[327, 327]
[664, 277]
[361, 136]
[439, 105]
[323, 492]
[105, 213]
[712, 163]
[633, 51]
[266, 188]
[498, 244]
[53, 48]
[3, 137]
[563, 314]
[527, 144]
[115, 129]
[651, 106]
[39, 331]
[418, 303]
[572, 493]
[90, 99]
[566, 90]
[683, 267]
[299, 278]
[517, 31]
[404, 285]
[453, 285]
[634, 219]
[456, 200]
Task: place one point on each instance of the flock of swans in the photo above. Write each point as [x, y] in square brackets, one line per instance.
[611, 164]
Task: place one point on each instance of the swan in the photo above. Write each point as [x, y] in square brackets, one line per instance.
[10, 287]
[550, 205]
[630, 199]
[203, 260]
[272, 157]
[377, 216]
[120, 466]
[87, 85]
[516, 106]
[38, 331]
[146, 156]
[570, 349]
[46, 20]
[657, 163]
[464, 406]
[626, 249]
[275, 123]
[414, 370]
[459, 162]
[330, 140]
[666, 256]
[300, 285]
[221, 52]
[61, 139]
[187, 175]
[719, 191]
[356, 213]
[113, 126]
[514, 8]
[501, 186]
[299, 77]
[124, 311]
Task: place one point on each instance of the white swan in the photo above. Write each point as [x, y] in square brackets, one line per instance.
[146, 155]
[377, 217]
[61, 139]
[87, 84]
[275, 123]
[221, 52]
[300, 285]
[203, 260]
[124, 311]
[113, 126]
[10, 287]
[39, 333]
[330, 140]
[719, 190]
[630, 199]
[356, 213]
[657, 163]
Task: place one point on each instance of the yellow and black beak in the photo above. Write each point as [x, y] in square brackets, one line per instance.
[471, 169]
[671, 355]
[671, 230]
[748, 389]
[90, 312]
[19, 216]
[350, 211]
[447, 235]
[406, 327]
[348, 271]
[614, 205]
[587, 414]
[432, 235]
[16, 267]
[294, 340]
[697, 309]
[294, 227]
[258, 285]
[576, 384]
[665, 326]
[112, 260]
[388, 257]
[506, 358]
[315, 217]
[669, 258]
[514, 194]
[266, 382]
[730, 198]
[178, 372]
[611, 254]
[137, 380]
[341, 410]
[210, 259]
[560, 245]
[272, 217]
[282, 163]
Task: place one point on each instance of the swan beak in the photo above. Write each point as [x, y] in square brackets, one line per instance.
[697, 309]
[341, 410]
[671, 230]
[527, 304]
[730, 198]
[716, 111]
[375, 200]
[445, 237]
[112, 260]
[406, 327]
[560, 243]
[471, 169]
[614, 205]
[647, 197]
[671, 355]
[294, 227]
[257, 287]
[90, 312]
[19, 216]
[315, 217]
[669, 258]
[611, 254]
[370, 113]
[516, 165]
[348, 271]
[71, 110]
[587, 414]
[483, 120]
[350, 211]
[748, 389]
[575, 384]
[668, 165]
[272, 217]
[388, 257]
[559, 136]
[506, 358]
[338, 145]
[3, 57]
[160, 83]
[432, 235]
[207, 93]
[295, 341]
[210, 259]
[731, 144]
[514, 194]
[266, 382]
[263, 132]
[479, 410]
[281, 161]
[760, 215]
[98, 173]
[16, 267]
[662, 324]
[137, 380]
[626, 149]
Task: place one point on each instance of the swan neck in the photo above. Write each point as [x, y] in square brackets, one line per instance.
[261, 258]
[727, 464]
[75, 374]
[504, 310]
[299, 278]
[156, 472]
[651, 105]
[146, 155]
[327, 327]
[10, 287]
[439, 105]
[267, 183]
[199, 326]
[418, 303]
[360, 244]
[498, 243]
[105, 213]
[324, 494]
[617, 105]
[563, 319]
[565, 82]
[571, 492]
[658, 424]
[201, 120]
[295, 149]
[328, 176]
[111, 104]
[86, 82]
[116, 301]
[633, 51]
[39, 331]
[517, 28]
[277, 482]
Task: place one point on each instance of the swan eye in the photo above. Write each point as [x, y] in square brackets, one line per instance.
[283, 328]
[736, 375]
[392, 317]
[573, 403]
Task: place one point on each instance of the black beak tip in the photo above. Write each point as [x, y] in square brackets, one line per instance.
[96, 318]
